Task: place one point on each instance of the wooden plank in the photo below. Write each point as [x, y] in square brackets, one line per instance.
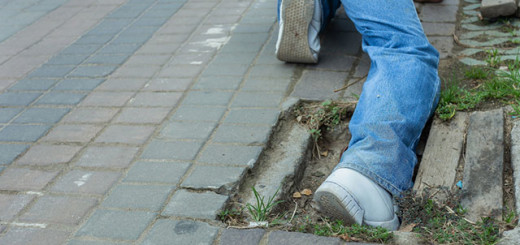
[441, 156]
[482, 191]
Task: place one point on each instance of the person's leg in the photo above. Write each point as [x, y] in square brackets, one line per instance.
[300, 22]
[399, 95]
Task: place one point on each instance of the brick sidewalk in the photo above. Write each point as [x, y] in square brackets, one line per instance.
[131, 121]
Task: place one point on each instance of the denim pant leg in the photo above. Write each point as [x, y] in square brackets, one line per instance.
[399, 95]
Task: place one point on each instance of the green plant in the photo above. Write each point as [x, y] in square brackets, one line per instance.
[260, 211]
[493, 58]
[354, 232]
[476, 73]
[229, 213]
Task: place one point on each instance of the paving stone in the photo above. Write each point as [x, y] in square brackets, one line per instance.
[198, 113]
[59, 210]
[23, 133]
[204, 205]
[156, 99]
[168, 84]
[213, 98]
[34, 84]
[42, 115]
[81, 133]
[107, 99]
[241, 237]
[21, 179]
[122, 84]
[41, 155]
[87, 182]
[253, 116]
[188, 71]
[482, 178]
[242, 58]
[284, 237]
[184, 232]
[213, 177]
[107, 156]
[496, 8]
[100, 242]
[242, 134]
[11, 205]
[142, 115]
[439, 12]
[225, 70]
[9, 152]
[218, 82]
[125, 134]
[61, 98]
[188, 130]
[119, 48]
[335, 44]
[90, 115]
[121, 225]
[257, 99]
[266, 84]
[174, 150]
[56, 71]
[6, 114]
[137, 71]
[435, 28]
[278, 71]
[33, 236]
[17, 99]
[443, 44]
[64, 59]
[334, 62]
[112, 59]
[230, 154]
[93, 71]
[319, 85]
[157, 172]
[78, 84]
[138, 197]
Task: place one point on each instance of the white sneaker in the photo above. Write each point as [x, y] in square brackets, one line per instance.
[299, 25]
[350, 196]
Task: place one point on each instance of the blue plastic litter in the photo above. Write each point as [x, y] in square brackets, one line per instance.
[459, 184]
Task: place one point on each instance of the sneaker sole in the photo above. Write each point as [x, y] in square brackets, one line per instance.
[294, 43]
[337, 203]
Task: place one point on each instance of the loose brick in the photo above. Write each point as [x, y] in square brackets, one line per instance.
[213, 177]
[204, 205]
[230, 154]
[182, 231]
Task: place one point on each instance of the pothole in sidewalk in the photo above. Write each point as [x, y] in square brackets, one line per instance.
[294, 164]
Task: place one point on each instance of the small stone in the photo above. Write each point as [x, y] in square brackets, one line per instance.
[297, 195]
[307, 192]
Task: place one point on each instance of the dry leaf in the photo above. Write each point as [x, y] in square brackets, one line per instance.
[299, 118]
[345, 237]
[324, 153]
[307, 192]
[296, 195]
[408, 227]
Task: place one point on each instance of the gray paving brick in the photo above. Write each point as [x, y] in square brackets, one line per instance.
[214, 177]
[198, 113]
[40, 155]
[80, 133]
[58, 210]
[335, 62]
[166, 84]
[241, 237]
[119, 48]
[184, 232]
[113, 59]
[266, 84]
[8, 152]
[41, 115]
[125, 134]
[21, 179]
[233, 47]
[175, 150]
[86, 182]
[145, 59]
[186, 71]
[204, 205]
[242, 134]
[207, 98]
[61, 98]
[107, 156]
[51, 71]
[156, 99]
[6, 114]
[121, 225]
[90, 115]
[94, 39]
[241, 58]
[218, 82]
[151, 197]
[78, 84]
[93, 71]
[63, 59]
[77, 49]
[257, 99]
[253, 116]
[443, 44]
[17, 99]
[279, 71]
[225, 70]
[34, 84]
[445, 29]
[142, 115]
[107, 99]
[100, 242]
[23, 133]
[33, 236]
[335, 44]
[157, 172]
[319, 85]
[230, 154]
[440, 12]
[283, 237]
[188, 130]
[11, 205]
[122, 84]
[191, 58]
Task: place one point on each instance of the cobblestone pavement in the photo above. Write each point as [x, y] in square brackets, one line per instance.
[130, 121]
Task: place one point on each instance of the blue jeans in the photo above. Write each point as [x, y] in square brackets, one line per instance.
[400, 93]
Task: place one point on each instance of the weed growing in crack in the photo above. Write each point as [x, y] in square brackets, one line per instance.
[260, 211]
[493, 59]
[228, 214]
[354, 232]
